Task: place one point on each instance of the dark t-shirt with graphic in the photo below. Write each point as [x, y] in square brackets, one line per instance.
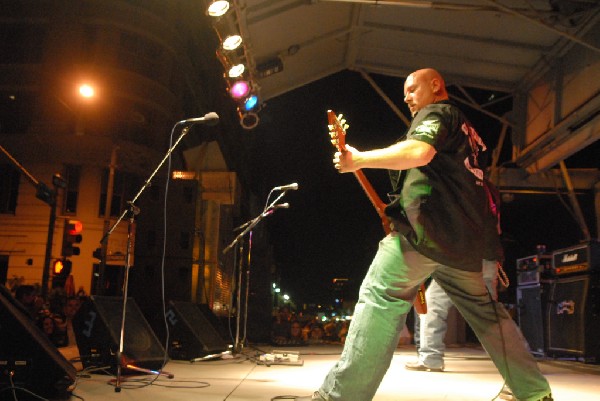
[441, 208]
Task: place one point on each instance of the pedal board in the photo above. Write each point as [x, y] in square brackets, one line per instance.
[281, 358]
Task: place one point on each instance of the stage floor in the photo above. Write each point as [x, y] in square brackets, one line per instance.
[469, 376]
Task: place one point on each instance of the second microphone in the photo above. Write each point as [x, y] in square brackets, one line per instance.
[288, 187]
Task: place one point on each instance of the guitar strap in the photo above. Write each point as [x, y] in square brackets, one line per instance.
[397, 177]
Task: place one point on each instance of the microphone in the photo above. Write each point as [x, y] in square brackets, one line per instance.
[288, 187]
[210, 119]
[271, 209]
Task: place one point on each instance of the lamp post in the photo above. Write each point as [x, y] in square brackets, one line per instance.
[47, 196]
[57, 182]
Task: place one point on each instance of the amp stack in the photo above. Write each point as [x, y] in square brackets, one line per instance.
[531, 296]
[558, 297]
[573, 304]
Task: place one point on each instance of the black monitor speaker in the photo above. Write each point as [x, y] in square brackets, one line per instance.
[191, 335]
[97, 326]
[26, 352]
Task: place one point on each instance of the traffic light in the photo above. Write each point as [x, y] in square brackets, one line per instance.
[97, 254]
[61, 269]
[71, 237]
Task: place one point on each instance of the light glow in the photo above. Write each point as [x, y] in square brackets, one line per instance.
[236, 71]
[87, 91]
[250, 102]
[232, 42]
[217, 8]
[240, 89]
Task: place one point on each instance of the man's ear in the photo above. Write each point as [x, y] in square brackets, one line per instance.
[436, 86]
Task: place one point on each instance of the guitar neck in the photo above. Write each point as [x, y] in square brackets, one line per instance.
[339, 126]
[374, 198]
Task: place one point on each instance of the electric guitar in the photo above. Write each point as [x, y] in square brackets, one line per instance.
[337, 130]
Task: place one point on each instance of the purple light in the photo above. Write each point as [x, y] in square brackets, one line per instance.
[240, 89]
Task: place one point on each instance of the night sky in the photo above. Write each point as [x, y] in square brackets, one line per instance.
[331, 229]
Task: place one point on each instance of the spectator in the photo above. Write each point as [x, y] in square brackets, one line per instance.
[343, 331]
[296, 337]
[330, 332]
[280, 330]
[69, 310]
[48, 324]
[27, 296]
[316, 334]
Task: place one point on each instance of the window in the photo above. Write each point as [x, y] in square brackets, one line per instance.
[9, 188]
[141, 55]
[22, 43]
[72, 175]
[16, 109]
[123, 191]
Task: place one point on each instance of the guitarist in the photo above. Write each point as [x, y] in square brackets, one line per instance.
[438, 229]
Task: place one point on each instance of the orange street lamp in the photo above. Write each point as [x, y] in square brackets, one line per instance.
[86, 91]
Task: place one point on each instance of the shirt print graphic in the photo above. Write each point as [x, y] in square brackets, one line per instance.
[476, 144]
[427, 128]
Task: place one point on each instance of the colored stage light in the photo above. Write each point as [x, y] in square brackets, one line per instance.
[240, 89]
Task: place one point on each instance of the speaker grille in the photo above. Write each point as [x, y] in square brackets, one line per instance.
[97, 328]
[192, 335]
[27, 351]
[573, 317]
[530, 316]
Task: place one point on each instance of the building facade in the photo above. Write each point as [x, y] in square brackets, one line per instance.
[146, 67]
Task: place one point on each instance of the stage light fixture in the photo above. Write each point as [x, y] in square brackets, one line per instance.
[232, 42]
[249, 120]
[218, 8]
[236, 71]
[250, 102]
[228, 31]
[238, 65]
[239, 89]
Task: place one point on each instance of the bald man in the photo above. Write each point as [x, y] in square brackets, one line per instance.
[440, 228]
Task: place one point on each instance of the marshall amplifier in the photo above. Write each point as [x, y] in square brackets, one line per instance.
[582, 258]
[531, 267]
[573, 317]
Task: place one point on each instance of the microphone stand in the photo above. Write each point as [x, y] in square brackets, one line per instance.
[133, 211]
[248, 226]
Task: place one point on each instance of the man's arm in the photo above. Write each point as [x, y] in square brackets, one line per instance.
[399, 156]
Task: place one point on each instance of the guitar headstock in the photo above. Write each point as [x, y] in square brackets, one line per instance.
[337, 130]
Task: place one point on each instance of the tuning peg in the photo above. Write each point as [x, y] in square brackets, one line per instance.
[330, 127]
[340, 117]
[346, 126]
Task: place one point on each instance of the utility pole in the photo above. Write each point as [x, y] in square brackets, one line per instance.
[47, 196]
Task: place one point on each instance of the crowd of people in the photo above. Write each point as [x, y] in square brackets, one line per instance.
[52, 315]
[295, 330]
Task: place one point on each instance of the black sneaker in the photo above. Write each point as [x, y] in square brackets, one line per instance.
[422, 367]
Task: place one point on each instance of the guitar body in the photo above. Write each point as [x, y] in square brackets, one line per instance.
[337, 129]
